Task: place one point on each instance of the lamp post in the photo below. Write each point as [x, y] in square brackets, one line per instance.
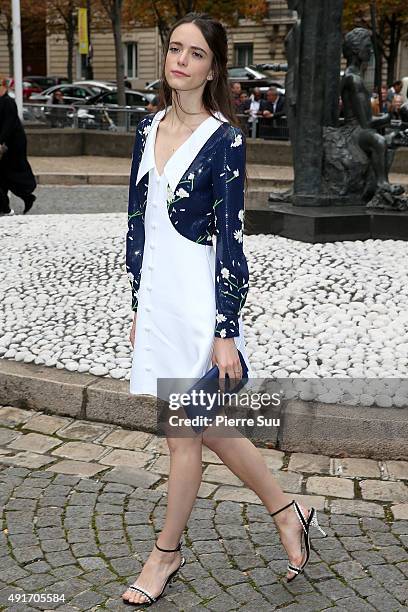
[17, 56]
[89, 67]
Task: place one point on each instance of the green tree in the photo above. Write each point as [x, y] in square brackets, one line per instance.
[392, 25]
[62, 15]
[113, 11]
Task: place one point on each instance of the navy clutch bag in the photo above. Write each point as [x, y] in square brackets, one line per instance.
[209, 384]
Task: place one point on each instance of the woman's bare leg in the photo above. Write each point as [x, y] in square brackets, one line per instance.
[248, 464]
[183, 484]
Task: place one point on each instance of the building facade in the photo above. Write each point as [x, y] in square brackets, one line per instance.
[402, 65]
[249, 43]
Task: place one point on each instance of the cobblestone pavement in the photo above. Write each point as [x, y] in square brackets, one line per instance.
[82, 502]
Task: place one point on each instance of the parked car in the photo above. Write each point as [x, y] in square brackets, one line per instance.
[28, 88]
[72, 93]
[97, 85]
[109, 115]
[152, 85]
[248, 76]
[47, 81]
[133, 99]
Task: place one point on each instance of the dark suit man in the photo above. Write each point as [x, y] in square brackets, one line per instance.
[15, 171]
[274, 105]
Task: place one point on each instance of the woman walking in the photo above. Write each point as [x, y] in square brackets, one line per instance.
[187, 186]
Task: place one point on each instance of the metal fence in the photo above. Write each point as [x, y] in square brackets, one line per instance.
[83, 116]
[262, 127]
[125, 119]
[119, 119]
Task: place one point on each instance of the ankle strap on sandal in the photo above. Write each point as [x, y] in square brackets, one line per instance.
[167, 550]
[284, 508]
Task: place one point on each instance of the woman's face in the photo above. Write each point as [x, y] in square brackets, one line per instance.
[189, 58]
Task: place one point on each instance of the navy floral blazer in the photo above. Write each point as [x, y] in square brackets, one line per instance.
[214, 186]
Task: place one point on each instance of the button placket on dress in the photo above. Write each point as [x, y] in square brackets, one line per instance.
[150, 265]
[157, 184]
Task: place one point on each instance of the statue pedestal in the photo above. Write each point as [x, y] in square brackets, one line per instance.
[326, 223]
[324, 200]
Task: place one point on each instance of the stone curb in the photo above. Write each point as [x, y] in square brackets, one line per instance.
[102, 179]
[61, 178]
[309, 427]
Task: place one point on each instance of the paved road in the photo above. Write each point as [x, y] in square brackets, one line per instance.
[78, 530]
[54, 199]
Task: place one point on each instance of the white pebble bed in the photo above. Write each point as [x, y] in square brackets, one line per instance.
[334, 310]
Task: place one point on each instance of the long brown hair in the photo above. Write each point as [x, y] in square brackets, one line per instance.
[216, 94]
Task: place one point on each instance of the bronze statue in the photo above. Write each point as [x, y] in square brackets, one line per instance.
[358, 117]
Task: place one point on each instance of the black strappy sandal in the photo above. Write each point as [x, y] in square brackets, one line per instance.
[305, 522]
[151, 599]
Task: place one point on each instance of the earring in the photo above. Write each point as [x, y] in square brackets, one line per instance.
[209, 78]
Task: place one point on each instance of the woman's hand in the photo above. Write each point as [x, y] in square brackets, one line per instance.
[132, 332]
[225, 356]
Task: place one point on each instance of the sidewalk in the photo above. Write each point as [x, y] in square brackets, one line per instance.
[82, 502]
[115, 171]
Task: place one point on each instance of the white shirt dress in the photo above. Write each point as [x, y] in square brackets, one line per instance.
[176, 300]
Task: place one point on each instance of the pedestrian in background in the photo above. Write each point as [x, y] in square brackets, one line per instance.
[242, 110]
[395, 89]
[57, 97]
[56, 116]
[384, 94]
[244, 103]
[236, 91]
[375, 103]
[254, 108]
[396, 103]
[15, 171]
[151, 107]
[274, 105]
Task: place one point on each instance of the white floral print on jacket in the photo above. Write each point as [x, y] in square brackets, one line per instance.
[205, 198]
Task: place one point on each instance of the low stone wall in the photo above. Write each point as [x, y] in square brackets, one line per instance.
[309, 427]
[67, 142]
[55, 143]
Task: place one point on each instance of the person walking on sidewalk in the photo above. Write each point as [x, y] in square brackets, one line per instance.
[186, 187]
[15, 171]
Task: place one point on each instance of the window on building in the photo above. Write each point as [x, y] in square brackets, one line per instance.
[278, 9]
[130, 59]
[243, 54]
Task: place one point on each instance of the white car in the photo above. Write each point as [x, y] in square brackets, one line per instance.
[101, 85]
